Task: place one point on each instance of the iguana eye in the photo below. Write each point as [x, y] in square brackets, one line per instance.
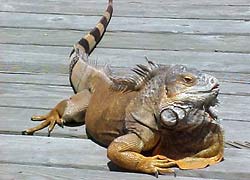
[188, 79]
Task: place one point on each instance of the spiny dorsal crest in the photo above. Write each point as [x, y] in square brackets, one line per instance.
[143, 74]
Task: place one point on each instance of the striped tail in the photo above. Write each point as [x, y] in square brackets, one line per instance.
[88, 43]
[80, 71]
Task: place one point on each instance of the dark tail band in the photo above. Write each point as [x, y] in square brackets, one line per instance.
[88, 43]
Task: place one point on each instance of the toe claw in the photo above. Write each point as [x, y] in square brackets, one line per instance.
[174, 173]
[27, 133]
[61, 125]
[48, 133]
[156, 173]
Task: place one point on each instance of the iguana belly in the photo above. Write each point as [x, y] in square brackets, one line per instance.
[106, 114]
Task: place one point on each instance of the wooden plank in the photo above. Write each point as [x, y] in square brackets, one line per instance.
[36, 79]
[128, 24]
[234, 107]
[232, 77]
[131, 40]
[235, 88]
[48, 96]
[44, 4]
[197, 35]
[229, 81]
[15, 120]
[32, 95]
[171, 9]
[41, 90]
[58, 153]
[45, 59]
[228, 86]
[236, 130]
[16, 171]
[29, 172]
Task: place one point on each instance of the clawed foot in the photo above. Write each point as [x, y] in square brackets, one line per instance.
[48, 120]
[157, 165]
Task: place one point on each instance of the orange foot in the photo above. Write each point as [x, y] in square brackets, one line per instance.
[48, 120]
[156, 165]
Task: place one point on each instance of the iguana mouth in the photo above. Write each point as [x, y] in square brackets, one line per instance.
[215, 88]
[210, 103]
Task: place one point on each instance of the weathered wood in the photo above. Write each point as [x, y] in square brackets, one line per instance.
[128, 24]
[32, 95]
[232, 107]
[229, 81]
[44, 91]
[236, 130]
[58, 153]
[55, 59]
[131, 40]
[15, 120]
[30, 172]
[169, 32]
[35, 78]
[229, 87]
[46, 96]
[171, 9]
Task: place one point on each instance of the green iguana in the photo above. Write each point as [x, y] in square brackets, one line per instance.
[159, 117]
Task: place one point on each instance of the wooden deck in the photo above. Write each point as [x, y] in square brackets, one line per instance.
[36, 37]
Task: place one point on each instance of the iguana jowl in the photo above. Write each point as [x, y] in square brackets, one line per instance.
[164, 111]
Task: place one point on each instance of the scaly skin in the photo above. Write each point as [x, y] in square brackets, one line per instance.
[163, 111]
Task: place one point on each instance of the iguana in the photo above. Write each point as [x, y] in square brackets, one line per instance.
[159, 117]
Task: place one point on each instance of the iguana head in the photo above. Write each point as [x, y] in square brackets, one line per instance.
[187, 90]
[178, 96]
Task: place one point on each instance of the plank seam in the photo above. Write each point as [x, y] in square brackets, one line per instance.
[132, 16]
[42, 108]
[132, 48]
[124, 31]
[90, 167]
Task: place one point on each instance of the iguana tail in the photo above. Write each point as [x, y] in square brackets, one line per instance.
[90, 41]
[80, 70]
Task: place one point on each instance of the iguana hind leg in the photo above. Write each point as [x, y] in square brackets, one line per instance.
[68, 112]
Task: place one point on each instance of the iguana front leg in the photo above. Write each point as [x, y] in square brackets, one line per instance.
[125, 151]
[69, 112]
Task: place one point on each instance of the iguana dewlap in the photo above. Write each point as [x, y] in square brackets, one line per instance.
[161, 117]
